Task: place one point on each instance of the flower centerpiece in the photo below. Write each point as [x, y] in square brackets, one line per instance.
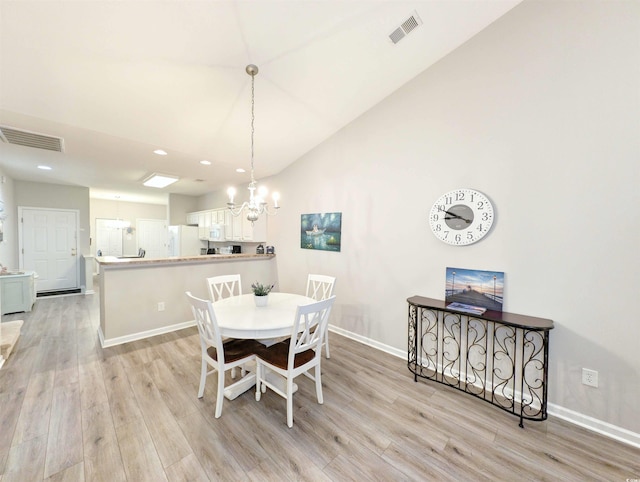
[261, 293]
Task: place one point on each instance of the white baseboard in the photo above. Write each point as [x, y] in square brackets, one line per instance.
[105, 343]
[590, 423]
[595, 425]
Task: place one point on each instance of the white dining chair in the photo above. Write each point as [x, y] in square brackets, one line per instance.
[321, 287]
[224, 286]
[220, 356]
[295, 356]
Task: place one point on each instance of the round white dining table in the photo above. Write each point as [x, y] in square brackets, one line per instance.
[239, 317]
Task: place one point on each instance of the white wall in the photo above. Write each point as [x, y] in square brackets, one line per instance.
[541, 112]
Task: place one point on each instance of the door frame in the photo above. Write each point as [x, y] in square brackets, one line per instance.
[77, 237]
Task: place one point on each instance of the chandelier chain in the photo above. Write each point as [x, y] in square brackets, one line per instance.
[256, 205]
[253, 118]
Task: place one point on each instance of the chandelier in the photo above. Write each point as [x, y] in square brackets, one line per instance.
[256, 204]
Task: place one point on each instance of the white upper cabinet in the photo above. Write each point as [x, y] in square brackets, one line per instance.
[255, 233]
[192, 218]
[236, 228]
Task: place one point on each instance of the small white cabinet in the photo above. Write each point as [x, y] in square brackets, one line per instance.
[17, 292]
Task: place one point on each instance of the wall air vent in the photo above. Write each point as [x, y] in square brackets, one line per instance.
[19, 137]
[409, 25]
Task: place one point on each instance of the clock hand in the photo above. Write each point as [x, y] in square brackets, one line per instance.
[455, 216]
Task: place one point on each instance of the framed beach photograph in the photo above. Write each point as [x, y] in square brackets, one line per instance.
[474, 291]
[322, 231]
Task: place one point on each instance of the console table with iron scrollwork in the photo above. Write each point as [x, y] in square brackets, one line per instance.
[501, 358]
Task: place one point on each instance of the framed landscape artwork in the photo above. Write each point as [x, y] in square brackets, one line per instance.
[322, 231]
[474, 291]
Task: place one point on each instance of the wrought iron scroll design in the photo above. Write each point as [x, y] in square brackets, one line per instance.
[502, 364]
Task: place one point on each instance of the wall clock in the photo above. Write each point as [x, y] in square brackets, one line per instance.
[462, 216]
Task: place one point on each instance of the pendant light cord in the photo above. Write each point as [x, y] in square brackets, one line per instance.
[253, 117]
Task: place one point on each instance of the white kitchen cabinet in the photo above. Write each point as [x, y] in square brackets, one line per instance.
[204, 224]
[218, 216]
[192, 219]
[256, 232]
[17, 291]
[236, 228]
[232, 227]
[241, 229]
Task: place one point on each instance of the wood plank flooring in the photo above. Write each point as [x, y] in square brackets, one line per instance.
[71, 411]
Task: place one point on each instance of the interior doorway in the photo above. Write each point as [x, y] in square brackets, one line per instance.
[153, 237]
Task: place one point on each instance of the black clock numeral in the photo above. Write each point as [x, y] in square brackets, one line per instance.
[485, 216]
[448, 200]
[437, 227]
[434, 217]
[480, 227]
[441, 207]
[458, 238]
[480, 205]
[459, 196]
[469, 235]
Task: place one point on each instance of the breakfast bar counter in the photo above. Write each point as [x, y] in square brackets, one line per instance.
[143, 297]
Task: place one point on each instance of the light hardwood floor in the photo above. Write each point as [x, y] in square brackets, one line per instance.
[71, 411]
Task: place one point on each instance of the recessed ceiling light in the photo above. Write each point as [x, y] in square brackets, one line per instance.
[160, 152]
[159, 180]
[240, 170]
[44, 168]
[205, 163]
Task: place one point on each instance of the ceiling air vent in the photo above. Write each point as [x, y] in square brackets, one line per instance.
[11, 135]
[410, 24]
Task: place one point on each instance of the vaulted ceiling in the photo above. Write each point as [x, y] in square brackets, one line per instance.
[117, 80]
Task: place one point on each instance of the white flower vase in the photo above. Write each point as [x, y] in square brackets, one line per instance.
[261, 300]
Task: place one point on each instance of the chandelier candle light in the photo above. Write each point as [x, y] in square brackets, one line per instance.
[257, 204]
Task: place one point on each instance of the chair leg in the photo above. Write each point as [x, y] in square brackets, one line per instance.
[289, 402]
[220, 395]
[326, 341]
[203, 378]
[258, 383]
[318, 384]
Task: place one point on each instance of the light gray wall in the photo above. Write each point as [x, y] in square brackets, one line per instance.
[179, 206]
[9, 244]
[57, 196]
[541, 112]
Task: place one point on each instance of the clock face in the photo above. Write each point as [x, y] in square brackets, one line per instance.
[461, 217]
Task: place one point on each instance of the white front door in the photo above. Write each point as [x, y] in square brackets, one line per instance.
[48, 243]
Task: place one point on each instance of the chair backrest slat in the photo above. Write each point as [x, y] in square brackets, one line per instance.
[320, 287]
[224, 286]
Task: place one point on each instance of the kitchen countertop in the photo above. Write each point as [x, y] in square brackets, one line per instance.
[113, 261]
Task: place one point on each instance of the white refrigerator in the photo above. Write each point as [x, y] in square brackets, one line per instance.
[184, 241]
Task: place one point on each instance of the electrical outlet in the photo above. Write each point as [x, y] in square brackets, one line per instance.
[590, 377]
[161, 306]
